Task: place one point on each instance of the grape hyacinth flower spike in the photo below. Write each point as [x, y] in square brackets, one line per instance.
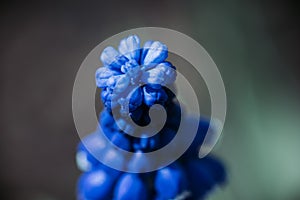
[134, 78]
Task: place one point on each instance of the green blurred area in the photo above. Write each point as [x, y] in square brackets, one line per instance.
[261, 139]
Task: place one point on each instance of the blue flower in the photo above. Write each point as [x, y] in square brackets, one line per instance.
[131, 187]
[132, 67]
[96, 184]
[203, 175]
[170, 182]
[134, 78]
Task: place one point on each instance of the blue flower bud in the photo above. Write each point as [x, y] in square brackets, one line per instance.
[130, 187]
[112, 157]
[131, 66]
[111, 58]
[118, 83]
[92, 144]
[123, 72]
[152, 96]
[123, 125]
[146, 144]
[96, 184]
[103, 74]
[84, 160]
[193, 150]
[161, 74]
[133, 71]
[106, 120]
[136, 114]
[200, 176]
[170, 182]
[120, 140]
[167, 134]
[107, 99]
[153, 54]
[216, 168]
[139, 162]
[145, 50]
[174, 115]
[135, 99]
[130, 47]
[131, 102]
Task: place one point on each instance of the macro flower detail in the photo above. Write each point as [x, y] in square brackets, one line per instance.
[133, 79]
[131, 67]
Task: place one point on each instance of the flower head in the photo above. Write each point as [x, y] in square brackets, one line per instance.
[134, 78]
[132, 67]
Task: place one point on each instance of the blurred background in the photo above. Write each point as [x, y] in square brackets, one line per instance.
[255, 44]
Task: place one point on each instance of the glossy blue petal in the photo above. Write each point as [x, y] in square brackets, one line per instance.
[193, 150]
[103, 74]
[131, 101]
[135, 98]
[161, 74]
[112, 157]
[125, 126]
[139, 162]
[107, 121]
[85, 161]
[111, 58]
[146, 144]
[170, 182]
[118, 83]
[84, 158]
[130, 187]
[216, 168]
[136, 114]
[107, 99]
[153, 54]
[131, 67]
[96, 184]
[145, 50]
[174, 115]
[130, 47]
[115, 86]
[133, 71]
[113, 132]
[152, 96]
[167, 134]
[92, 146]
[200, 176]
[121, 141]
